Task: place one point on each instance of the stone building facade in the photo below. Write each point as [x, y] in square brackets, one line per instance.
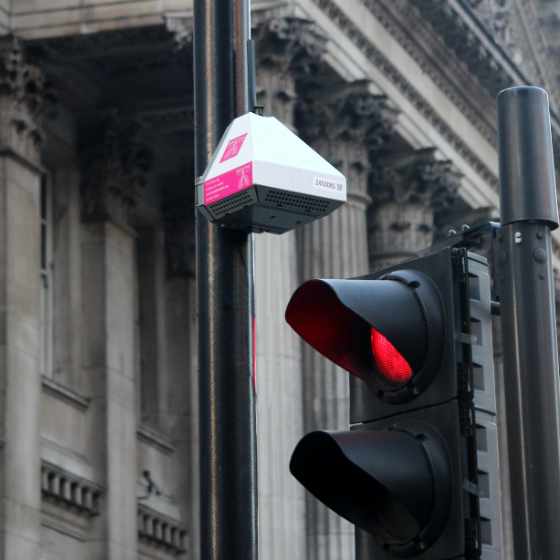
[98, 369]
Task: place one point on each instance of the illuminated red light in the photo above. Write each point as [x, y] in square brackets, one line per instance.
[388, 360]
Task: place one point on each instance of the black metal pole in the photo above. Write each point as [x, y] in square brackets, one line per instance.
[523, 246]
[228, 466]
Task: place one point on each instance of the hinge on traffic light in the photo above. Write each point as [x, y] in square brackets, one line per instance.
[471, 536]
[466, 418]
[458, 264]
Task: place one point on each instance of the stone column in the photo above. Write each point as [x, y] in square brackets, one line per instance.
[113, 166]
[408, 188]
[283, 45]
[180, 295]
[22, 105]
[343, 123]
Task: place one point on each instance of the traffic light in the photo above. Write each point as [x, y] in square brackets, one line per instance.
[417, 338]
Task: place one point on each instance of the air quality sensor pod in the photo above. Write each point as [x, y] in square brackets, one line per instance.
[264, 178]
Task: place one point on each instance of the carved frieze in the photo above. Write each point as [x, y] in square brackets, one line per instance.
[25, 99]
[114, 166]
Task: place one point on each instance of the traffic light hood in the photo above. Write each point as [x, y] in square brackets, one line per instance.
[393, 484]
[336, 318]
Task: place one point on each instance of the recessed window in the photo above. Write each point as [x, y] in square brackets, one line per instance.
[46, 277]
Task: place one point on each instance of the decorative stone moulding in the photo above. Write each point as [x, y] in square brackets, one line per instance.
[159, 530]
[25, 99]
[114, 166]
[290, 44]
[468, 47]
[70, 490]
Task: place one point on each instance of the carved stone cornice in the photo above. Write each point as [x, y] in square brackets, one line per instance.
[114, 166]
[538, 28]
[25, 99]
[406, 25]
[422, 104]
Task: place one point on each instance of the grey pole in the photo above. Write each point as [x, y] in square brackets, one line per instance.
[228, 466]
[525, 283]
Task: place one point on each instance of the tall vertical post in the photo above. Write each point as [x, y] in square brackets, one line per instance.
[228, 472]
[523, 246]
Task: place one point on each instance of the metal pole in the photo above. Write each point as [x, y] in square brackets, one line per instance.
[228, 466]
[523, 247]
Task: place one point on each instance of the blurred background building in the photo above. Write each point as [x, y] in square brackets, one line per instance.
[98, 368]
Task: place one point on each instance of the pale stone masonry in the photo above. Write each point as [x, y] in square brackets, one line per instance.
[98, 367]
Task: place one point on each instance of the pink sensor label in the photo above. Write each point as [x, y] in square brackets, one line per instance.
[233, 147]
[228, 183]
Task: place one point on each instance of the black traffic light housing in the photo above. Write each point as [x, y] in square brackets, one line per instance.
[406, 474]
[346, 312]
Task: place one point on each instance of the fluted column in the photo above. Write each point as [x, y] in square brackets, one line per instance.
[113, 167]
[343, 124]
[23, 94]
[282, 46]
[180, 297]
[408, 188]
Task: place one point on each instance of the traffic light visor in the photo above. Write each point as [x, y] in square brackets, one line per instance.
[391, 484]
[375, 329]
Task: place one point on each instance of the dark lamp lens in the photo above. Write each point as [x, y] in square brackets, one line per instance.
[388, 360]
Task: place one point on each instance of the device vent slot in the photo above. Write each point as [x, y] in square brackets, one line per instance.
[267, 227]
[306, 203]
[231, 203]
[286, 210]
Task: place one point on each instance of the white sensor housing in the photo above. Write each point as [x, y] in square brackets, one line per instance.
[265, 178]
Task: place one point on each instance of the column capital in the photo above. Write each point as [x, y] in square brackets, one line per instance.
[25, 99]
[414, 176]
[289, 44]
[408, 189]
[346, 111]
[181, 25]
[114, 166]
[344, 123]
[179, 226]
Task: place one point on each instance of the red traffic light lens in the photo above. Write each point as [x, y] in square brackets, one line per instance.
[388, 360]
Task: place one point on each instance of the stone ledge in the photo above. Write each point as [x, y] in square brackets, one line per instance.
[70, 490]
[63, 393]
[155, 439]
[159, 530]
